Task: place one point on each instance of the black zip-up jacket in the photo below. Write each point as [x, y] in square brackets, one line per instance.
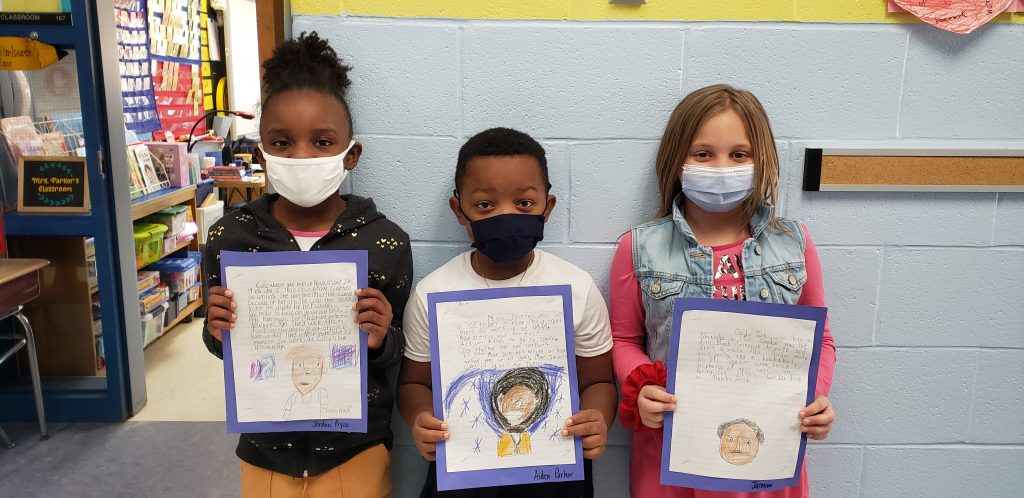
[360, 226]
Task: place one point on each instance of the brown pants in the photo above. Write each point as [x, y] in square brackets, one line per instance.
[366, 475]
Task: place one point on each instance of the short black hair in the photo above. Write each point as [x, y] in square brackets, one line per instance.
[306, 63]
[501, 142]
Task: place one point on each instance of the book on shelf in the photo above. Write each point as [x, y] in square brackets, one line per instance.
[225, 173]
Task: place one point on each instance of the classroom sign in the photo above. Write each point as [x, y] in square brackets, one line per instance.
[53, 185]
[22, 54]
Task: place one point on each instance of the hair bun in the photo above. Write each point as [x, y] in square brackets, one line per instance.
[306, 62]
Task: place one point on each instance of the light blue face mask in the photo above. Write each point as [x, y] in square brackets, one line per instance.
[717, 190]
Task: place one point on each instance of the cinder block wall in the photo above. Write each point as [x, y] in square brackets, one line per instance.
[925, 289]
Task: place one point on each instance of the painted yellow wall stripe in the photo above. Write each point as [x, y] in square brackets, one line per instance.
[837, 11]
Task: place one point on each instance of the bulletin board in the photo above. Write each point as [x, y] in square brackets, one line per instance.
[909, 170]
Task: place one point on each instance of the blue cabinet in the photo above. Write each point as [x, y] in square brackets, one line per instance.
[74, 99]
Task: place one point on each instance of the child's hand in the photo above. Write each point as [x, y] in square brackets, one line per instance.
[653, 402]
[220, 311]
[816, 420]
[591, 426]
[374, 315]
[426, 432]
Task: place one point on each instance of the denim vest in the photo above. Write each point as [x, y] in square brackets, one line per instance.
[669, 263]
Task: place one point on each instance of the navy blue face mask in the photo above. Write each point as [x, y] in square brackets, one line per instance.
[507, 237]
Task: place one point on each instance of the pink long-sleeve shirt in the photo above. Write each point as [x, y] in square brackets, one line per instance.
[629, 352]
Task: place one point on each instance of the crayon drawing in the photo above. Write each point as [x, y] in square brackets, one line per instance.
[515, 402]
[344, 355]
[263, 368]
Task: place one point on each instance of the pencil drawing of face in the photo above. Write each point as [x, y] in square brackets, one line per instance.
[519, 398]
[740, 440]
[307, 368]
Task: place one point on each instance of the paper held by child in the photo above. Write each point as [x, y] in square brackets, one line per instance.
[504, 373]
[741, 372]
[296, 359]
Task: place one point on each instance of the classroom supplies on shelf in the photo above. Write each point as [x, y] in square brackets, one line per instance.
[178, 274]
[153, 324]
[147, 280]
[175, 160]
[154, 297]
[225, 173]
[50, 137]
[172, 217]
[149, 242]
[146, 173]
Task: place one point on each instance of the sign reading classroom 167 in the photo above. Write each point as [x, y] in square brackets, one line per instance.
[53, 185]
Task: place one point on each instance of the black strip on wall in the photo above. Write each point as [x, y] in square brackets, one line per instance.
[812, 170]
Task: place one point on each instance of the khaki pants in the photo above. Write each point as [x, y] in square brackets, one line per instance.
[367, 475]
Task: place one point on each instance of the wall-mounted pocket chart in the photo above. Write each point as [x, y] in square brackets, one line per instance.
[913, 170]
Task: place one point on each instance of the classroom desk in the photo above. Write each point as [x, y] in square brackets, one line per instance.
[250, 187]
[19, 284]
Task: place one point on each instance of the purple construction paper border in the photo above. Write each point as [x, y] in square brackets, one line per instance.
[515, 475]
[682, 305]
[233, 258]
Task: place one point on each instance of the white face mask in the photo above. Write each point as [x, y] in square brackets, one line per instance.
[717, 189]
[309, 181]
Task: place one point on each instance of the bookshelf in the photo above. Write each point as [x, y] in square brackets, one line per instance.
[151, 203]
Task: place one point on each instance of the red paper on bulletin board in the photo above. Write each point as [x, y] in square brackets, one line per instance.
[178, 97]
[1015, 6]
[957, 16]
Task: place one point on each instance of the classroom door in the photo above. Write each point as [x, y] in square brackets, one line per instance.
[59, 112]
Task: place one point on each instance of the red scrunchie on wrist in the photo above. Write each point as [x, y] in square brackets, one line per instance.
[643, 375]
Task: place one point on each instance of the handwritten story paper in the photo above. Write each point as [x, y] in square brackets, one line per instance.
[504, 376]
[741, 372]
[296, 358]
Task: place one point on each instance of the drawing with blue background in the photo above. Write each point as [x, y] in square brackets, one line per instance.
[515, 402]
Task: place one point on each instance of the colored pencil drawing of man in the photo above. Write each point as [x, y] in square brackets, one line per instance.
[740, 440]
[309, 401]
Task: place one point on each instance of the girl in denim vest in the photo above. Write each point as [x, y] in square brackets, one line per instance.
[717, 236]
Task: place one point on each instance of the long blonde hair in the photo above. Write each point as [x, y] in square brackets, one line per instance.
[690, 115]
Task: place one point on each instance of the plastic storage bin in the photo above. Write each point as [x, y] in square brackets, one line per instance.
[194, 292]
[153, 325]
[172, 311]
[141, 237]
[173, 218]
[177, 273]
[178, 304]
[149, 242]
